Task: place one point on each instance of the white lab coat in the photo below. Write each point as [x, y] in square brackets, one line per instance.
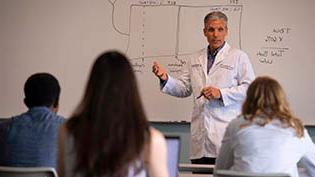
[231, 72]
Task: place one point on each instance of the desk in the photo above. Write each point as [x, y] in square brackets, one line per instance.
[194, 175]
[187, 167]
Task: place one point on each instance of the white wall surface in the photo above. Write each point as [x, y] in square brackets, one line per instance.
[64, 37]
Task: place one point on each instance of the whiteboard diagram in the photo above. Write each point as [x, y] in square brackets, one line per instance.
[168, 30]
[64, 37]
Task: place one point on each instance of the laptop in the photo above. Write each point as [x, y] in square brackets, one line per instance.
[173, 151]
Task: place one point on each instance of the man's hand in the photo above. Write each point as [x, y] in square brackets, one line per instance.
[158, 71]
[211, 93]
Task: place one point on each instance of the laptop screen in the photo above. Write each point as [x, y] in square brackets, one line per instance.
[173, 151]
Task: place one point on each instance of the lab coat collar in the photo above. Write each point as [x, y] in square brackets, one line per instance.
[218, 59]
[221, 54]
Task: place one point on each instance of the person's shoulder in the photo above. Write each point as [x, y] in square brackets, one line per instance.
[63, 128]
[157, 142]
[60, 119]
[4, 122]
[62, 132]
[20, 119]
[156, 136]
[55, 118]
[238, 120]
[155, 145]
[237, 124]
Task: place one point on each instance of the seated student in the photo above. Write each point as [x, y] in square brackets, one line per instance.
[266, 137]
[109, 135]
[29, 139]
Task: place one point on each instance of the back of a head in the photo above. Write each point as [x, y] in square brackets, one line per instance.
[266, 99]
[216, 15]
[112, 84]
[41, 89]
[265, 95]
[111, 114]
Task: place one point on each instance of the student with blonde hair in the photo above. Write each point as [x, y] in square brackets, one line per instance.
[267, 137]
[109, 134]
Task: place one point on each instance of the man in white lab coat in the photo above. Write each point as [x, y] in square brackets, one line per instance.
[218, 77]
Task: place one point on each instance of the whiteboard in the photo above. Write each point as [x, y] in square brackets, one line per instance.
[64, 38]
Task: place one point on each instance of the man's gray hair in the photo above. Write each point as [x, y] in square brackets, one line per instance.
[216, 15]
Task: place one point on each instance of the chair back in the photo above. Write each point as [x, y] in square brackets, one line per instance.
[230, 173]
[27, 172]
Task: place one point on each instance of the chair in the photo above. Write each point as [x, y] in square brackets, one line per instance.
[27, 172]
[230, 173]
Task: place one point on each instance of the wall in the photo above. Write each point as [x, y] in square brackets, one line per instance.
[64, 38]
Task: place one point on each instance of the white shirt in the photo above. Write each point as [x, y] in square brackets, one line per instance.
[231, 72]
[265, 149]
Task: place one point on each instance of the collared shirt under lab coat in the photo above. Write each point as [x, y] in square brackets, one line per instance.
[231, 72]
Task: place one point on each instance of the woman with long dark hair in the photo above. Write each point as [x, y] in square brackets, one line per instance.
[267, 137]
[109, 135]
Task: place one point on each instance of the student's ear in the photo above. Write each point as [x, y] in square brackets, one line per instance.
[26, 103]
[55, 106]
[54, 109]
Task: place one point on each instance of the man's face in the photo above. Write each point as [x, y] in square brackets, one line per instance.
[215, 31]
